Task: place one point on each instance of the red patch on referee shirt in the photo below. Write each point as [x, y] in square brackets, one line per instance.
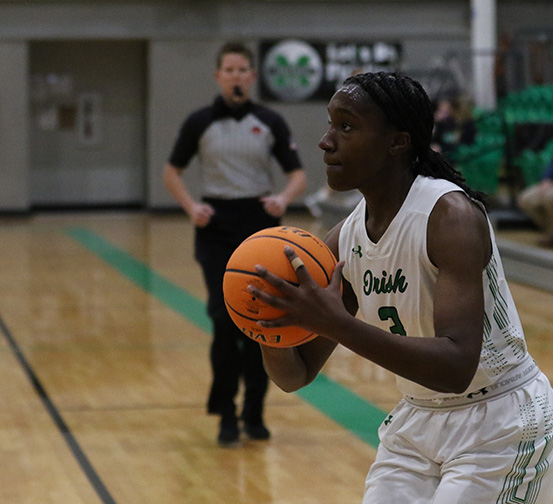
[256, 130]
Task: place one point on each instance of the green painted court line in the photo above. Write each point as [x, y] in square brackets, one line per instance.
[347, 409]
[139, 273]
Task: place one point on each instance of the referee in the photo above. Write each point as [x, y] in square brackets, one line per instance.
[235, 142]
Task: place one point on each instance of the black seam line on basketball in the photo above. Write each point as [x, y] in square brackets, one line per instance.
[240, 314]
[299, 246]
[324, 246]
[255, 320]
[74, 446]
[251, 273]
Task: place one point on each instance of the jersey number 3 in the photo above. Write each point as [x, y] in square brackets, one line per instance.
[390, 313]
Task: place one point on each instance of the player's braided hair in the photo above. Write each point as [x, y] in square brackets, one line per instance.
[407, 106]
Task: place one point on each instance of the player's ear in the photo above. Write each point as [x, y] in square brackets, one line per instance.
[400, 143]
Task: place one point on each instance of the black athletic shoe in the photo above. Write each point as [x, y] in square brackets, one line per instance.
[257, 431]
[229, 435]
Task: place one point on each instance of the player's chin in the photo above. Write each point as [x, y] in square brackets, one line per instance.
[335, 178]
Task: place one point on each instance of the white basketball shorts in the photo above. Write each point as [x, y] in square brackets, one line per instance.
[498, 451]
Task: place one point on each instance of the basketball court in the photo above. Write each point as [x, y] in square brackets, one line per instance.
[105, 373]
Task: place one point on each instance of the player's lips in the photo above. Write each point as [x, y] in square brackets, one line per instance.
[331, 167]
[328, 160]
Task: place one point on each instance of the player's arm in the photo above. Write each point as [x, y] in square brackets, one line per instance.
[459, 245]
[293, 368]
[200, 213]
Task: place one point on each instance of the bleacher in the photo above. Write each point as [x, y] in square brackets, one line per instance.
[512, 148]
[513, 144]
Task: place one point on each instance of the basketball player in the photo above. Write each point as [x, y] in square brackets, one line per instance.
[235, 142]
[420, 268]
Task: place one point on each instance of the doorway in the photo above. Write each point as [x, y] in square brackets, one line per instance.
[88, 123]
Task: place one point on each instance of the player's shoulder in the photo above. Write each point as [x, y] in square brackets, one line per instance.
[444, 199]
[458, 205]
[457, 221]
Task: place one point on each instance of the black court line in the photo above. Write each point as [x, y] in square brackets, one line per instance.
[74, 446]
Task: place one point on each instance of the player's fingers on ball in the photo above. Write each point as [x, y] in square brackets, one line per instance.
[297, 263]
[278, 322]
[274, 301]
[336, 278]
[277, 282]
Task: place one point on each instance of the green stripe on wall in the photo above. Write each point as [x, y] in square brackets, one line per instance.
[349, 410]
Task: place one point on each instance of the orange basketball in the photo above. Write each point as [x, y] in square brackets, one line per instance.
[266, 248]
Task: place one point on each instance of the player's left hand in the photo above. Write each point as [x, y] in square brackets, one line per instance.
[307, 305]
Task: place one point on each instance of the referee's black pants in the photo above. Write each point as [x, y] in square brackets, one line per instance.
[233, 355]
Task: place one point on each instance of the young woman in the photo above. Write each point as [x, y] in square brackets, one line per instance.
[425, 296]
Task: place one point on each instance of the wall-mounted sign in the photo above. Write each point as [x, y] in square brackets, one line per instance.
[294, 70]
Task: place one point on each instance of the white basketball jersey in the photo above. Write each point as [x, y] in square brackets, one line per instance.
[394, 283]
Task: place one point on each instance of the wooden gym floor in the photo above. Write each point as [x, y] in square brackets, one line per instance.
[104, 374]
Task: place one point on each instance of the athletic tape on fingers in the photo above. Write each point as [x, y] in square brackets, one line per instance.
[296, 263]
